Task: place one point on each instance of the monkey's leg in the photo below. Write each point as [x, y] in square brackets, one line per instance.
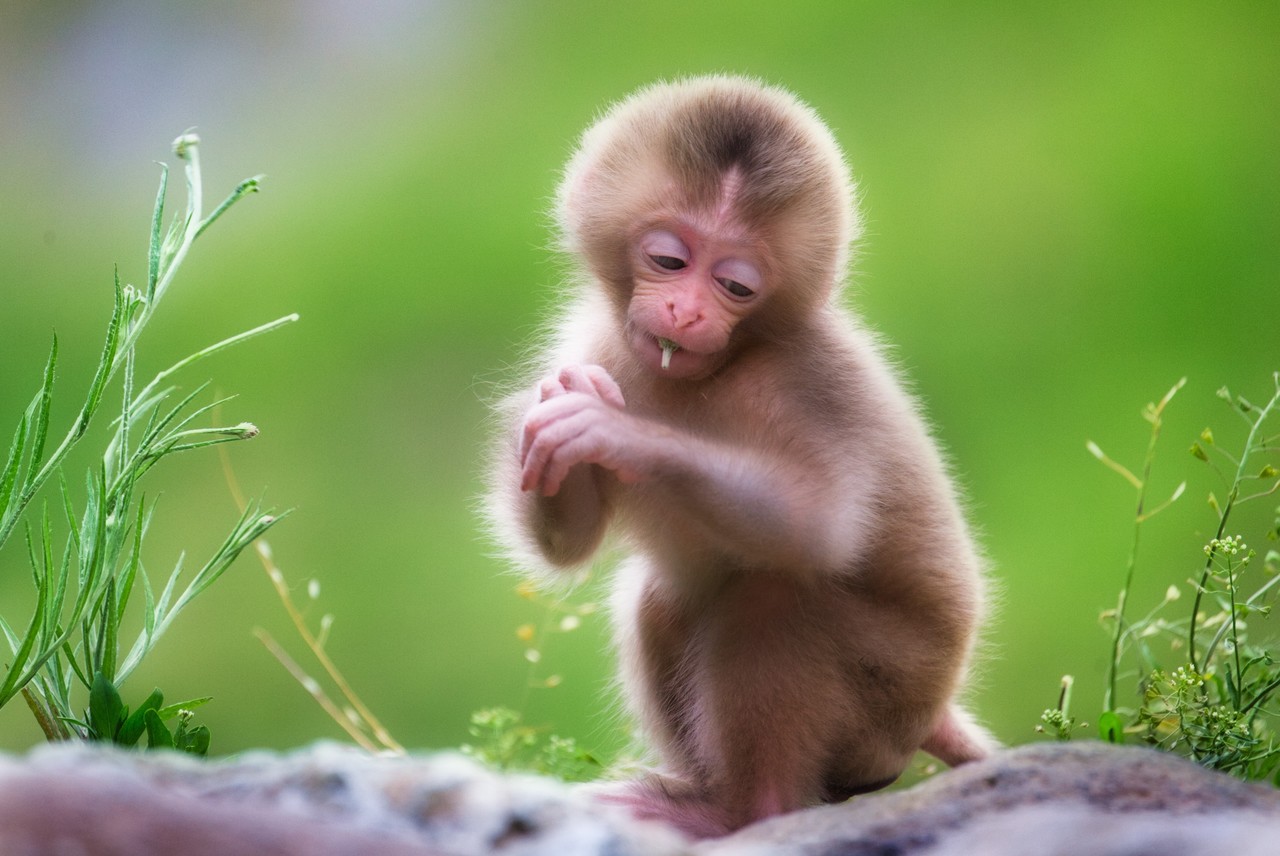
[768, 704]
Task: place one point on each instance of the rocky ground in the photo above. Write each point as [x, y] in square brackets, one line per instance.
[1075, 798]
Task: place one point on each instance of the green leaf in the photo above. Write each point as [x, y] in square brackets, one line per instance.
[124, 584]
[157, 226]
[106, 363]
[136, 723]
[70, 655]
[41, 428]
[195, 741]
[53, 605]
[106, 710]
[109, 637]
[10, 473]
[1111, 727]
[169, 711]
[158, 736]
[14, 681]
[9, 635]
[244, 188]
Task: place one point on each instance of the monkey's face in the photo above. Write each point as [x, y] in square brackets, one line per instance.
[691, 287]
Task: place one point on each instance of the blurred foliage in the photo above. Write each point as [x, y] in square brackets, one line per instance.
[1069, 205]
[1205, 679]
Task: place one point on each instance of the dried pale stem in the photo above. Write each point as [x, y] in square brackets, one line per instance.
[52, 727]
[276, 576]
[309, 684]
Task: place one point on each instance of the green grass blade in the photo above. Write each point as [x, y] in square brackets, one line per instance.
[70, 656]
[118, 449]
[41, 428]
[15, 680]
[68, 508]
[243, 189]
[149, 609]
[155, 429]
[135, 725]
[109, 635]
[166, 596]
[106, 363]
[215, 348]
[124, 585]
[171, 710]
[157, 228]
[9, 635]
[31, 556]
[53, 614]
[10, 474]
[252, 524]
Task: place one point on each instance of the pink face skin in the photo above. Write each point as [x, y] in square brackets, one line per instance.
[692, 286]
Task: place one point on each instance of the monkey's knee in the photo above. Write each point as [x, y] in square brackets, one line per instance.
[957, 739]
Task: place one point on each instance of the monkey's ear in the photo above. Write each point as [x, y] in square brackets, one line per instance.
[572, 198]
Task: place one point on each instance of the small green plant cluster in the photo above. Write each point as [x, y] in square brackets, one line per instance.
[503, 740]
[1210, 696]
[86, 579]
[505, 743]
[111, 721]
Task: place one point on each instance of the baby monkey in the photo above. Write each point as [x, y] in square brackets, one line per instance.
[802, 594]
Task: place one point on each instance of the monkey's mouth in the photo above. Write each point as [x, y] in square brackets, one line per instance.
[670, 359]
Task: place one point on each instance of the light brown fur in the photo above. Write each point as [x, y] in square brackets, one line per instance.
[802, 596]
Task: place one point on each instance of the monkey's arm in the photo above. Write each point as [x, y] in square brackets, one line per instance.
[767, 508]
[567, 526]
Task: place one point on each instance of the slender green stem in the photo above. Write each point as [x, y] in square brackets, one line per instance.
[209, 351]
[1232, 574]
[1140, 516]
[1250, 445]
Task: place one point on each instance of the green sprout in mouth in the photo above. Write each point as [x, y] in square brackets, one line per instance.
[668, 348]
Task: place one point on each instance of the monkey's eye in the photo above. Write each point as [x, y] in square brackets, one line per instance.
[669, 262]
[735, 288]
[740, 278]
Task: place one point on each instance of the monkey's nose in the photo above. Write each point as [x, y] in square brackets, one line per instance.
[683, 317]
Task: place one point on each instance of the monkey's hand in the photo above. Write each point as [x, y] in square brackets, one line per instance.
[581, 418]
[590, 380]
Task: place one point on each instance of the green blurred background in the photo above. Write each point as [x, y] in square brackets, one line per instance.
[1069, 206]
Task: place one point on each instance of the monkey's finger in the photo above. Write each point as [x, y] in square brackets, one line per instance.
[540, 426]
[577, 450]
[545, 413]
[550, 387]
[574, 379]
[605, 386]
[539, 472]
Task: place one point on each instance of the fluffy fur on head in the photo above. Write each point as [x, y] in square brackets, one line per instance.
[673, 146]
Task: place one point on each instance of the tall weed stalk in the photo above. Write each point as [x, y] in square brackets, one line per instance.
[87, 577]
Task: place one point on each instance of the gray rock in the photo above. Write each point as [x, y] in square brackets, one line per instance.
[1074, 798]
[326, 800]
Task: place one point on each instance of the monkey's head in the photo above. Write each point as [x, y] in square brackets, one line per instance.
[697, 204]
